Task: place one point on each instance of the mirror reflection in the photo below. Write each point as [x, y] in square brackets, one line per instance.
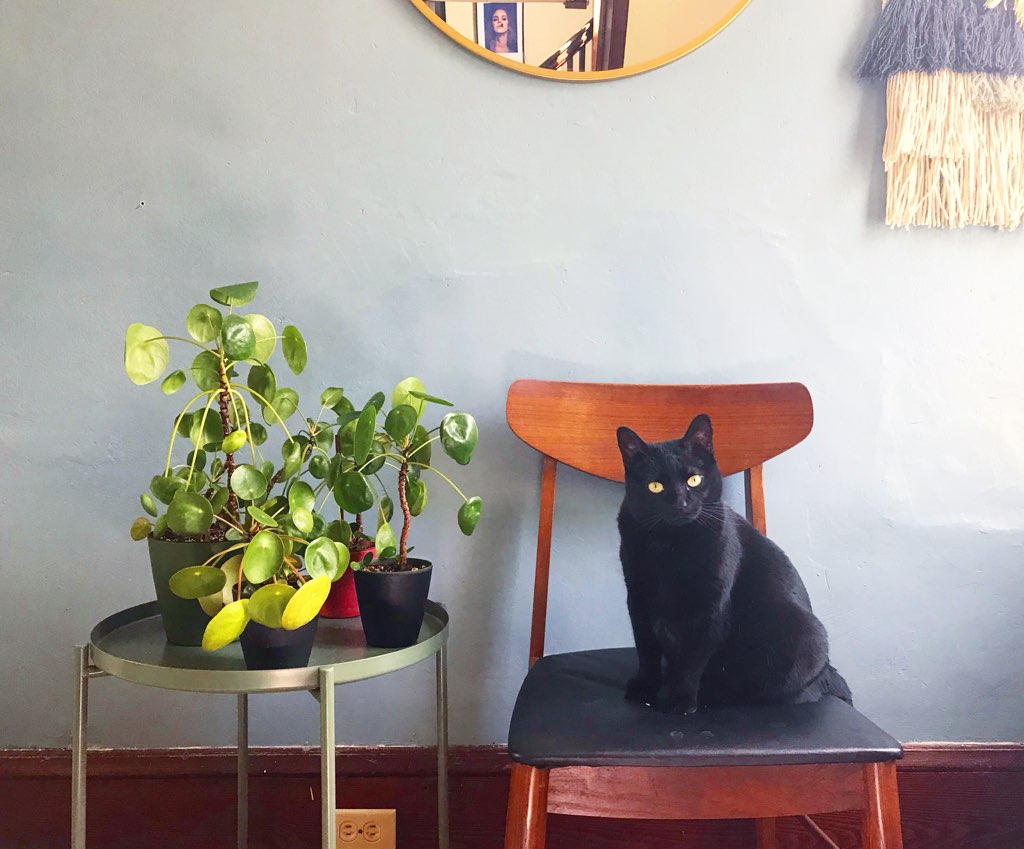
[592, 38]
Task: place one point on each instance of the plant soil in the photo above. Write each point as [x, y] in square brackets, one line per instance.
[393, 567]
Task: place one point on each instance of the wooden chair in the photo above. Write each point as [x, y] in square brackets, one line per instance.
[579, 748]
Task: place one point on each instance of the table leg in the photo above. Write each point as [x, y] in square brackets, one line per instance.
[243, 771]
[328, 835]
[79, 746]
[442, 748]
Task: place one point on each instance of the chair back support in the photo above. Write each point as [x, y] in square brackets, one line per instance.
[575, 424]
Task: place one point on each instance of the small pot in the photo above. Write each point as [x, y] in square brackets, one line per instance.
[391, 604]
[342, 602]
[276, 648]
[183, 619]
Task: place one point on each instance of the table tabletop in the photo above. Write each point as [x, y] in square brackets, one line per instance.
[131, 645]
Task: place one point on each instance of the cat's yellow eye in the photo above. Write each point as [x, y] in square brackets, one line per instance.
[694, 481]
[656, 486]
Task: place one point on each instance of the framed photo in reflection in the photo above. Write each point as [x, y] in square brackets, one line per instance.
[499, 28]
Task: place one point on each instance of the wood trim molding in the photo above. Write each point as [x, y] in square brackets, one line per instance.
[409, 761]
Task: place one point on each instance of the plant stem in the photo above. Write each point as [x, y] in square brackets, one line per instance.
[174, 431]
[436, 472]
[224, 396]
[403, 544]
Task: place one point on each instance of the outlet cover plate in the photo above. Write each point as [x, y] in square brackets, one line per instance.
[366, 828]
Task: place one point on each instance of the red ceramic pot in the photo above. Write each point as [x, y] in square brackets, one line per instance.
[342, 602]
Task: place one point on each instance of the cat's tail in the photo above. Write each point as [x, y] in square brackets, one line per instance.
[836, 684]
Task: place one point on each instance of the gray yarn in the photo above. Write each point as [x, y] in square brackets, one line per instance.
[935, 35]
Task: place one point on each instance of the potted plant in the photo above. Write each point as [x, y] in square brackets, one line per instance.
[285, 558]
[196, 504]
[392, 586]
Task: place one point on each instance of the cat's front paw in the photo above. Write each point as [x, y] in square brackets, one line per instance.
[677, 705]
[642, 690]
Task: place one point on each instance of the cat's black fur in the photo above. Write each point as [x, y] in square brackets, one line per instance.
[719, 614]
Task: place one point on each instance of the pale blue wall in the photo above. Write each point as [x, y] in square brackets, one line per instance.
[715, 220]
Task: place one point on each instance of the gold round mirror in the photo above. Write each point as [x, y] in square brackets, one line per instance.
[581, 39]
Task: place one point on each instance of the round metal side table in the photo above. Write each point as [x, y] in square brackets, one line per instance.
[131, 645]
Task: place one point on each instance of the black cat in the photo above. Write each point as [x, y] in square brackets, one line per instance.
[719, 614]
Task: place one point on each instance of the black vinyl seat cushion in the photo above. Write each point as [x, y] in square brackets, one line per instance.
[571, 711]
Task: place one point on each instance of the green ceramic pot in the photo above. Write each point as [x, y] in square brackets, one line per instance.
[184, 620]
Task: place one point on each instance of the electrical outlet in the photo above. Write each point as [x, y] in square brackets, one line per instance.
[366, 828]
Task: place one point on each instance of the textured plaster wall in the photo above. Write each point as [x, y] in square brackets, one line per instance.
[414, 209]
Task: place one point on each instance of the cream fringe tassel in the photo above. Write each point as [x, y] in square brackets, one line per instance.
[954, 150]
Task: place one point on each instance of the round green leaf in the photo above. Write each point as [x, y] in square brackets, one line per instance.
[402, 394]
[319, 465]
[386, 508]
[226, 626]
[459, 436]
[375, 462]
[469, 515]
[261, 517]
[401, 421]
[206, 371]
[433, 399]
[237, 338]
[259, 433]
[160, 527]
[322, 558]
[199, 481]
[340, 532]
[183, 424]
[237, 295]
[268, 603]
[148, 504]
[385, 538]
[300, 496]
[262, 381]
[141, 528]
[344, 405]
[303, 519]
[204, 322]
[420, 446]
[306, 603]
[286, 402]
[205, 433]
[263, 557]
[353, 492]
[324, 440]
[332, 396]
[173, 382]
[220, 498]
[165, 487]
[291, 452]
[293, 346]
[248, 482]
[266, 336]
[200, 459]
[415, 495]
[233, 441]
[190, 514]
[197, 581]
[366, 426]
[145, 354]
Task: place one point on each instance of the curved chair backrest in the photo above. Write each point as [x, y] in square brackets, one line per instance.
[575, 424]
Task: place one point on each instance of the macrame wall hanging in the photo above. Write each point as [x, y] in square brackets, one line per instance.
[954, 142]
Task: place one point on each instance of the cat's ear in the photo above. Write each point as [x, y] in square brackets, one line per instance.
[629, 444]
[699, 433]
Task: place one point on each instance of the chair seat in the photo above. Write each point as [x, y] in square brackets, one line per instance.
[571, 711]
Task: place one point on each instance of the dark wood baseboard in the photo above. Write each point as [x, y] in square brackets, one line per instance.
[953, 795]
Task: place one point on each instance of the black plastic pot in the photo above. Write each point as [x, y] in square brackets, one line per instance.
[276, 648]
[183, 619]
[391, 604]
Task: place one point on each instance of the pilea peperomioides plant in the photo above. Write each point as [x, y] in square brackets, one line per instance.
[371, 439]
[278, 556]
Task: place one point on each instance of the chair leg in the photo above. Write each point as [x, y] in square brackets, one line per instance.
[766, 834]
[526, 822]
[882, 807]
